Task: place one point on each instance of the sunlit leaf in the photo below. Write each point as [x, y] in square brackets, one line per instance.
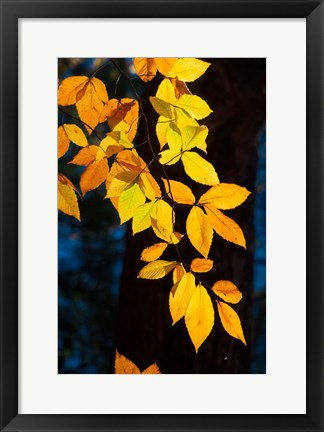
[227, 291]
[231, 321]
[123, 116]
[161, 128]
[130, 199]
[165, 64]
[120, 182]
[178, 272]
[225, 196]
[153, 369]
[154, 252]
[199, 169]
[201, 265]
[225, 226]
[87, 155]
[157, 269]
[181, 295]
[188, 69]
[70, 90]
[199, 230]
[161, 107]
[194, 105]
[67, 199]
[63, 142]
[166, 92]
[199, 316]
[91, 104]
[94, 175]
[194, 136]
[165, 215]
[125, 366]
[75, 134]
[149, 186]
[142, 216]
[179, 192]
[145, 68]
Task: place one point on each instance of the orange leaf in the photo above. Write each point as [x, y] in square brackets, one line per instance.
[87, 155]
[225, 196]
[91, 104]
[70, 90]
[75, 134]
[123, 116]
[180, 193]
[154, 252]
[225, 226]
[125, 366]
[227, 291]
[201, 265]
[63, 142]
[145, 68]
[153, 369]
[231, 321]
[165, 64]
[95, 174]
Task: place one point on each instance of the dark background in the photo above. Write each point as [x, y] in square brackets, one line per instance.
[101, 303]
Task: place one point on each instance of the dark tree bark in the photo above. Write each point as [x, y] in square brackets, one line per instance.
[235, 90]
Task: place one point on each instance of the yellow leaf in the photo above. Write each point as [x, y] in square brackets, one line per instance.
[114, 170]
[70, 88]
[154, 252]
[225, 196]
[180, 193]
[123, 116]
[145, 68]
[63, 142]
[225, 226]
[227, 291]
[180, 296]
[183, 119]
[67, 199]
[194, 136]
[165, 64]
[129, 200]
[231, 321]
[174, 138]
[75, 134]
[149, 186]
[199, 317]
[175, 237]
[121, 181]
[201, 265]
[178, 272]
[95, 174]
[199, 169]
[165, 215]
[161, 128]
[169, 157]
[91, 104]
[153, 369]
[194, 105]
[199, 230]
[142, 217]
[87, 155]
[124, 366]
[157, 269]
[161, 107]
[188, 69]
[166, 92]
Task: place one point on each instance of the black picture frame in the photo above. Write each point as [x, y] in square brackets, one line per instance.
[11, 11]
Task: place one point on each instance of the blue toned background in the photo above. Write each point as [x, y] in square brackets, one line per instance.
[91, 256]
